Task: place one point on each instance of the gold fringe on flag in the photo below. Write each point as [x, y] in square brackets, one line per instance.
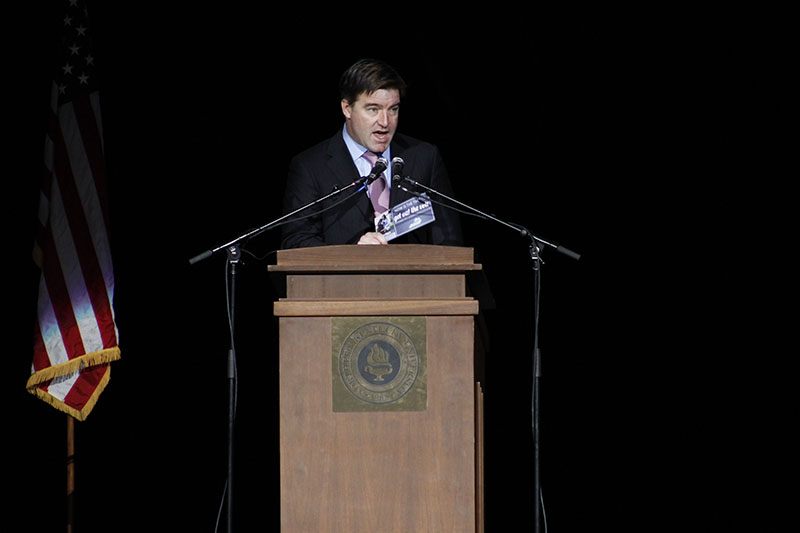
[79, 364]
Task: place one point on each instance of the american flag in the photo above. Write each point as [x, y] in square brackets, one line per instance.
[75, 337]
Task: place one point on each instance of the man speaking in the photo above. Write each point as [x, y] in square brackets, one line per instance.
[371, 92]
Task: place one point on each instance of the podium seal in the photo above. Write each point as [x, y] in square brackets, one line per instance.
[378, 364]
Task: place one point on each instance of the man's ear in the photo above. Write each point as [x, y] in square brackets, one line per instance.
[346, 109]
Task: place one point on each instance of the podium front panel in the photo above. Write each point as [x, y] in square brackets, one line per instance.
[377, 470]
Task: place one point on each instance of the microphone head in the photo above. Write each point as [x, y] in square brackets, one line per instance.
[377, 169]
[397, 166]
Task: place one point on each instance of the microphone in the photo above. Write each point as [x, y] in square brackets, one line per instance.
[377, 170]
[397, 167]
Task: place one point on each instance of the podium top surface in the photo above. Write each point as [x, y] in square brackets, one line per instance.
[361, 258]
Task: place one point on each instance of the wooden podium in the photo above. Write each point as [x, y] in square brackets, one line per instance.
[380, 412]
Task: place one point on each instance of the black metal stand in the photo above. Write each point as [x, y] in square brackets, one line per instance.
[234, 256]
[537, 370]
[537, 374]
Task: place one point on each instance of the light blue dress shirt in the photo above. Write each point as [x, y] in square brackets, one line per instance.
[363, 166]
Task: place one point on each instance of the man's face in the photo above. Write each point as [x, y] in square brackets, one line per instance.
[372, 118]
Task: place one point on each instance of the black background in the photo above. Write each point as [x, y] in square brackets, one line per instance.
[642, 140]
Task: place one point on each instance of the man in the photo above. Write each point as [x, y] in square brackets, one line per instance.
[371, 92]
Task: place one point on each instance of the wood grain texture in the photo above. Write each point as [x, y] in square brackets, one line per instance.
[464, 306]
[407, 257]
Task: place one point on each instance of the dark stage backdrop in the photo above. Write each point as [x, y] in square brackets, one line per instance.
[615, 139]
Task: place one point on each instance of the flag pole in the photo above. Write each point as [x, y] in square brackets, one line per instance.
[70, 472]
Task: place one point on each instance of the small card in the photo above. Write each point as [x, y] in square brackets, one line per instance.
[405, 217]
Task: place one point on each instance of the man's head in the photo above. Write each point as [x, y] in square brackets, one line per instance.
[371, 91]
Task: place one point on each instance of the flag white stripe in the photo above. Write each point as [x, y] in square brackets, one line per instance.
[61, 386]
[44, 209]
[48, 326]
[94, 100]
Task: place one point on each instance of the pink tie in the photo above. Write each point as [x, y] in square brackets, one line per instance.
[378, 191]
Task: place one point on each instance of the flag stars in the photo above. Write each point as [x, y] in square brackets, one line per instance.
[78, 62]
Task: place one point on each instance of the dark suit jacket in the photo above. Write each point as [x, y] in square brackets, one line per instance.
[315, 172]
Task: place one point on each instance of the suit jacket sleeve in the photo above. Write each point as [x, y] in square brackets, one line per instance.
[301, 189]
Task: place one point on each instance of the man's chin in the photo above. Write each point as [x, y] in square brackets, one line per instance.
[380, 144]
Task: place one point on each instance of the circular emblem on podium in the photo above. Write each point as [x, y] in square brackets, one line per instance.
[378, 363]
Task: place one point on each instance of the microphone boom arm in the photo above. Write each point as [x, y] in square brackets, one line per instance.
[208, 253]
[524, 232]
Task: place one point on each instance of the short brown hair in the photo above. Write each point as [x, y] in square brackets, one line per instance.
[368, 76]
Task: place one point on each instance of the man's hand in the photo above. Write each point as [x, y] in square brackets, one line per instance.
[373, 237]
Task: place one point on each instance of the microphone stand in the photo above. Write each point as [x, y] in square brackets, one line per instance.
[537, 369]
[233, 258]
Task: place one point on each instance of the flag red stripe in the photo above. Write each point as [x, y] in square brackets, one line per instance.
[84, 387]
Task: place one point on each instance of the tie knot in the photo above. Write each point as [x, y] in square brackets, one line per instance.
[372, 157]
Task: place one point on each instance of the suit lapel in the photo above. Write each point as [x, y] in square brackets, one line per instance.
[342, 167]
[340, 163]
